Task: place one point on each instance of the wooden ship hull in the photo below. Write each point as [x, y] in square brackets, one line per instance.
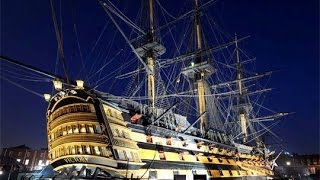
[86, 132]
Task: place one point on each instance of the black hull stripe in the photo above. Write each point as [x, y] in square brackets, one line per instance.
[159, 164]
[241, 178]
[142, 129]
[156, 147]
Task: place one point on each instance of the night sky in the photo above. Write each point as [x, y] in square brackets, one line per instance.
[284, 36]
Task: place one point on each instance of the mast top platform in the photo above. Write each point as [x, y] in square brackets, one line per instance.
[204, 68]
[153, 46]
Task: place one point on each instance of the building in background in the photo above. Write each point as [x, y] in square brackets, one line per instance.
[23, 158]
[298, 166]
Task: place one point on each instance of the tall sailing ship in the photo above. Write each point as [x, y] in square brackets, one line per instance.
[181, 118]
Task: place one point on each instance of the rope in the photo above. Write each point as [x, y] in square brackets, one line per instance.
[80, 52]
[97, 41]
[27, 78]
[163, 9]
[110, 73]
[21, 72]
[59, 40]
[106, 8]
[105, 65]
[18, 85]
[118, 13]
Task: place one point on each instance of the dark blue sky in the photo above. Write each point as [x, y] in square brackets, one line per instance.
[284, 36]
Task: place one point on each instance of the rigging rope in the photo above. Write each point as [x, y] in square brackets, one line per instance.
[80, 53]
[25, 77]
[119, 14]
[103, 80]
[59, 40]
[105, 65]
[105, 7]
[163, 9]
[20, 86]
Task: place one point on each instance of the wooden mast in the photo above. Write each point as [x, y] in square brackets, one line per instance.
[150, 60]
[199, 77]
[197, 27]
[242, 111]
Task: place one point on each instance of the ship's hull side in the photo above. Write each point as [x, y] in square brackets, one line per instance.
[86, 132]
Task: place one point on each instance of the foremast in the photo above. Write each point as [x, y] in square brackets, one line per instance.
[149, 51]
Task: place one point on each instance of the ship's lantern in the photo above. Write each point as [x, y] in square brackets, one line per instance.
[288, 163]
[47, 97]
[80, 84]
[57, 84]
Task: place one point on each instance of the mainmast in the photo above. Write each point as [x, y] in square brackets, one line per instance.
[200, 75]
[199, 70]
[241, 98]
[198, 31]
[150, 60]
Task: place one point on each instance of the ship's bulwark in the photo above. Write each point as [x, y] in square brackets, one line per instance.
[86, 131]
